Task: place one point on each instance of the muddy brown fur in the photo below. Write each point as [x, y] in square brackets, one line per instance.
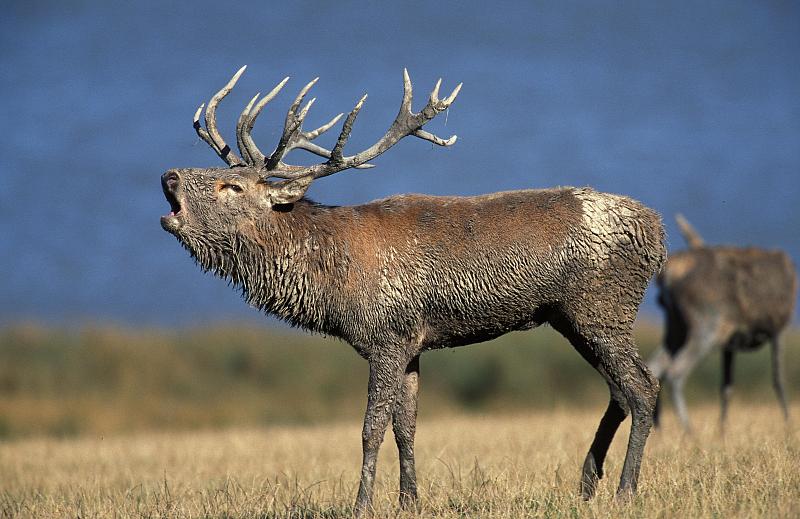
[411, 273]
[725, 299]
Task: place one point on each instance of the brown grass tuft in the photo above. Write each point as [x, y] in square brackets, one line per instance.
[469, 466]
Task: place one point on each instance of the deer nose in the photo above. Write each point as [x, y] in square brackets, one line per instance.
[170, 180]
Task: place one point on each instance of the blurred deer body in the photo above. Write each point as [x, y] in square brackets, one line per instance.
[410, 273]
[726, 298]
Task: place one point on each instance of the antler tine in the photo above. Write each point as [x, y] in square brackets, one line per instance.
[427, 136]
[201, 132]
[344, 135]
[264, 100]
[304, 111]
[302, 95]
[435, 92]
[324, 128]
[405, 105]
[240, 125]
[452, 97]
[211, 133]
[243, 134]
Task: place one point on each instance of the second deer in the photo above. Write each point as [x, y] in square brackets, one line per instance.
[726, 299]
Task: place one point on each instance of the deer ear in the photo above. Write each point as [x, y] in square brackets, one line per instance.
[286, 191]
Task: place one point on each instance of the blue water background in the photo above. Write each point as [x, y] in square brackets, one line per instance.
[690, 107]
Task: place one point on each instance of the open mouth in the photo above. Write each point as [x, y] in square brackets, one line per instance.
[174, 220]
[174, 203]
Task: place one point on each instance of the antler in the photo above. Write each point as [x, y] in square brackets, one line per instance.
[406, 123]
[210, 134]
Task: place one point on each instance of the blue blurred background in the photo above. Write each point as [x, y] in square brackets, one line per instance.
[690, 107]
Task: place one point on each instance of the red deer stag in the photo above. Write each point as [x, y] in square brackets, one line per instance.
[721, 298]
[410, 273]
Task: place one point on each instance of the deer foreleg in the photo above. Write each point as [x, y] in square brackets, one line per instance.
[385, 379]
[727, 385]
[404, 424]
[777, 376]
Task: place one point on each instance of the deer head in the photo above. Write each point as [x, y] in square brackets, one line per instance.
[210, 204]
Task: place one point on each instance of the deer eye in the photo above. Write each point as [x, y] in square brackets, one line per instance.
[236, 188]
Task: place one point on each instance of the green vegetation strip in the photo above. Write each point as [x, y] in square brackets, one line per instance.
[102, 379]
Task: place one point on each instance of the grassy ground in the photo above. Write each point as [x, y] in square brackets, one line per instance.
[516, 465]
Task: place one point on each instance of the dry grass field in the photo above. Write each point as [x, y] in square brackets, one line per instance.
[519, 465]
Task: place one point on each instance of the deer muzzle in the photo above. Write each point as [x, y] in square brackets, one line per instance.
[170, 183]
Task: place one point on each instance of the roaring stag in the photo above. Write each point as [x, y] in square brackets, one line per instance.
[721, 298]
[411, 273]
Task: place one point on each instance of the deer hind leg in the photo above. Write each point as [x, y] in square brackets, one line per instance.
[727, 385]
[777, 375]
[624, 368]
[592, 470]
[633, 390]
[385, 378]
[404, 425]
[658, 364]
[702, 339]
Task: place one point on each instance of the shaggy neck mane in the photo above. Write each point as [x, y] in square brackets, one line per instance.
[288, 265]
